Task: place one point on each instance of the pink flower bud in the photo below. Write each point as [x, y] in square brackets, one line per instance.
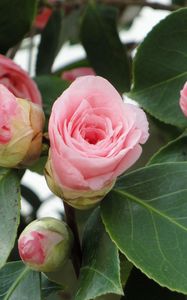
[45, 244]
[18, 81]
[94, 137]
[183, 99]
[71, 75]
[21, 125]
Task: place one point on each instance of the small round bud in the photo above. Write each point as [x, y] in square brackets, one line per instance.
[45, 244]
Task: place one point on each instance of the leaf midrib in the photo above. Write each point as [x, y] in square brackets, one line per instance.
[104, 276]
[133, 93]
[149, 207]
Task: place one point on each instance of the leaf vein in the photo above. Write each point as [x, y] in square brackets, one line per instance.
[101, 274]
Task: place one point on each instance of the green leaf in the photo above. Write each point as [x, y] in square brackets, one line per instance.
[125, 269]
[174, 151]
[51, 87]
[15, 21]
[39, 166]
[65, 277]
[19, 282]
[179, 2]
[141, 287]
[76, 64]
[49, 288]
[160, 69]
[49, 43]
[146, 216]
[104, 49]
[100, 272]
[9, 212]
[70, 27]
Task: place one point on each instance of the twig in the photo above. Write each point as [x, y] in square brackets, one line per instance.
[12, 52]
[31, 46]
[76, 253]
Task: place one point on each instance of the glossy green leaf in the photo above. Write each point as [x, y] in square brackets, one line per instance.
[160, 69]
[125, 269]
[51, 87]
[65, 277]
[179, 2]
[76, 64]
[49, 43]
[39, 166]
[70, 27]
[146, 216]
[49, 288]
[104, 49]
[174, 151]
[16, 18]
[100, 272]
[18, 282]
[9, 212]
[141, 287]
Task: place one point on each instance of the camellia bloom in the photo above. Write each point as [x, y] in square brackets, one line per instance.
[94, 138]
[21, 125]
[183, 99]
[71, 75]
[45, 244]
[18, 81]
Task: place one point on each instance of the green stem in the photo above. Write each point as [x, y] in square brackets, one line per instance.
[76, 252]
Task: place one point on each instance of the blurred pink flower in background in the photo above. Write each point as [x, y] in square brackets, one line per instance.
[42, 18]
[71, 75]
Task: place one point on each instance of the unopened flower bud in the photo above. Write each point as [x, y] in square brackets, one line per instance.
[45, 244]
[21, 125]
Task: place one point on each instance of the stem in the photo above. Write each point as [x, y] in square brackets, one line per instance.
[12, 52]
[76, 3]
[76, 253]
[31, 46]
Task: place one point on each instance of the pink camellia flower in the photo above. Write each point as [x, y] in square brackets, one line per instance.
[18, 81]
[183, 99]
[45, 244]
[71, 75]
[42, 18]
[21, 125]
[94, 138]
